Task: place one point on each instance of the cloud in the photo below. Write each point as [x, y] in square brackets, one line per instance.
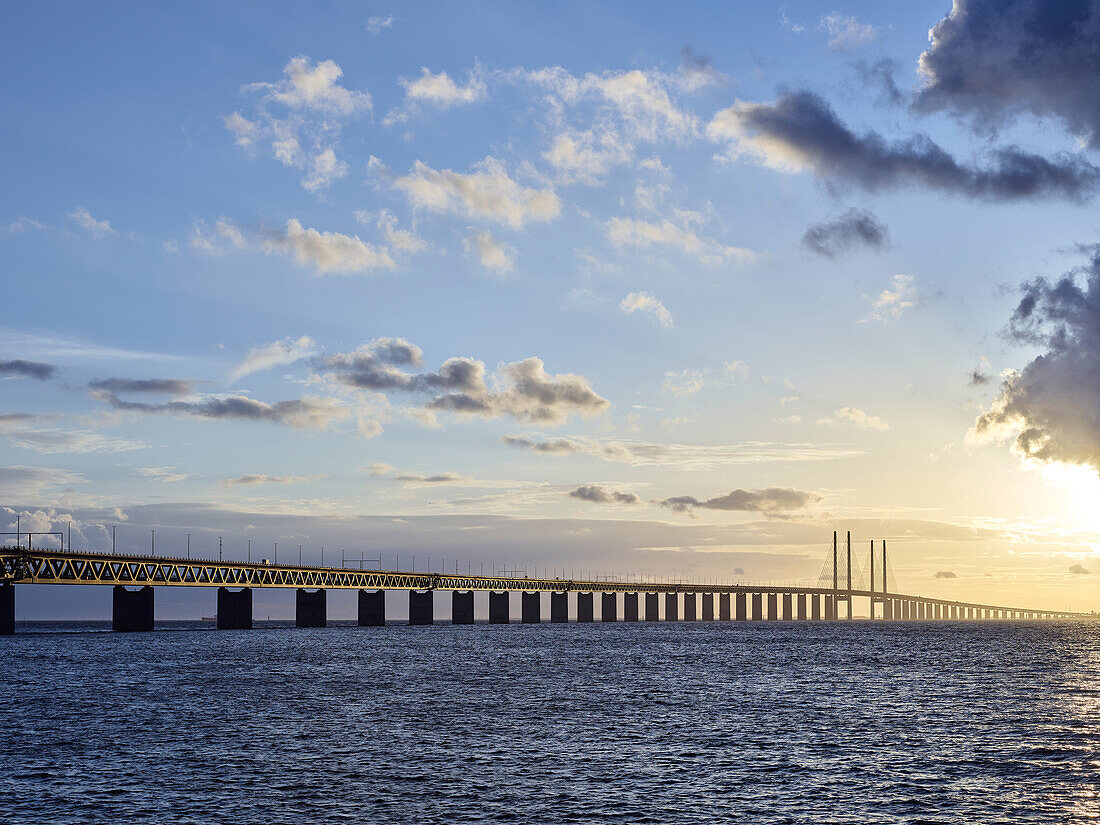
[846, 33]
[28, 369]
[990, 60]
[85, 221]
[945, 574]
[697, 71]
[1079, 570]
[799, 131]
[681, 456]
[492, 254]
[771, 501]
[647, 302]
[22, 223]
[862, 420]
[895, 299]
[646, 234]
[441, 91]
[977, 378]
[167, 475]
[329, 251]
[276, 354]
[599, 495]
[438, 478]
[324, 169]
[299, 413]
[54, 441]
[855, 228]
[400, 240]
[587, 156]
[1051, 408]
[684, 382]
[487, 192]
[251, 479]
[167, 386]
[20, 483]
[376, 23]
[315, 86]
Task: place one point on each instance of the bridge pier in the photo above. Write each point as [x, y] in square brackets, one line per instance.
[462, 607]
[788, 614]
[801, 603]
[559, 607]
[530, 607]
[708, 607]
[652, 607]
[741, 607]
[758, 607]
[815, 607]
[609, 607]
[723, 607]
[132, 610]
[372, 608]
[7, 609]
[630, 607]
[689, 607]
[672, 607]
[498, 607]
[887, 609]
[421, 607]
[830, 608]
[310, 609]
[234, 609]
[773, 607]
[586, 607]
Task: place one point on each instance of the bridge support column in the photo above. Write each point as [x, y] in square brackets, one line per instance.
[586, 607]
[801, 603]
[7, 609]
[887, 609]
[609, 607]
[757, 607]
[708, 607]
[559, 608]
[462, 607]
[498, 607]
[234, 609]
[672, 607]
[689, 607]
[372, 608]
[652, 607]
[630, 607]
[788, 614]
[310, 609]
[723, 607]
[530, 607]
[773, 606]
[421, 607]
[815, 607]
[132, 610]
[830, 608]
[740, 602]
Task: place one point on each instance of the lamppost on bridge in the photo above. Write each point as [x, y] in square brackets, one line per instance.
[153, 542]
[188, 545]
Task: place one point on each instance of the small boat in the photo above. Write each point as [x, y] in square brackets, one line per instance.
[209, 619]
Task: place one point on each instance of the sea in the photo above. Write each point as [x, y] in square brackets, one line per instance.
[716, 722]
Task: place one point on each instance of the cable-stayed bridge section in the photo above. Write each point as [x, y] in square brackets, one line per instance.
[681, 600]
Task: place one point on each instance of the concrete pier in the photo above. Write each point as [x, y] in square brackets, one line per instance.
[372, 608]
[801, 603]
[723, 607]
[815, 607]
[740, 603]
[559, 608]
[630, 607]
[7, 609]
[757, 607]
[609, 607]
[234, 609]
[132, 610]
[672, 607]
[530, 607]
[788, 613]
[652, 607]
[310, 609]
[498, 608]
[708, 607]
[830, 608]
[689, 607]
[462, 607]
[421, 607]
[773, 606]
[586, 607]
[888, 609]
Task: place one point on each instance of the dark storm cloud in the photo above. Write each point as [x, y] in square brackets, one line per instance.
[978, 378]
[800, 130]
[300, 413]
[600, 495]
[945, 574]
[992, 59]
[771, 500]
[1052, 406]
[880, 74]
[166, 386]
[28, 369]
[855, 228]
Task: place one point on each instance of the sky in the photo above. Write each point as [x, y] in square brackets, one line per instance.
[629, 288]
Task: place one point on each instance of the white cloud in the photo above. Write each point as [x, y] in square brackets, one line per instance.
[85, 221]
[53, 441]
[376, 23]
[738, 370]
[244, 130]
[315, 86]
[646, 234]
[329, 251]
[858, 418]
[493, 254]
[440, 90]
[325, 169]
[585, 157]
[167, 475]
[250, 479]
[400, 240]
[32, 483]
[846, 32]
[646, 302]
[684, 382]
[895, 299]
[487, 192]
[277, 353]
[23, 223]
[225, 236]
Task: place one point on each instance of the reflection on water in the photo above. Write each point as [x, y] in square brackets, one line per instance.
[662, 723]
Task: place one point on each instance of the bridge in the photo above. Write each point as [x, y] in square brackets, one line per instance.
[132, 609]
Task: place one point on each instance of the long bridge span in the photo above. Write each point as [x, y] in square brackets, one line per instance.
[132, 609]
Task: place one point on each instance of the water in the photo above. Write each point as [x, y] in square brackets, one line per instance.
[668, 723]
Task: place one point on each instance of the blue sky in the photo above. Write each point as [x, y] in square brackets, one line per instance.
[290, 219]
